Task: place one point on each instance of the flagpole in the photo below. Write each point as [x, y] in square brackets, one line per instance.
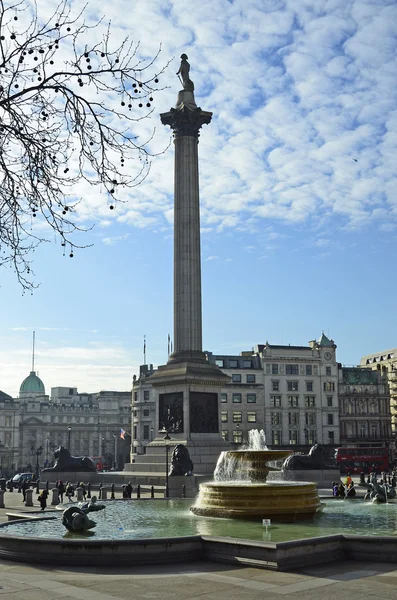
[144, 349]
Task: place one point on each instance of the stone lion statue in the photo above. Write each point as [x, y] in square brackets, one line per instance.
[315, 459]
[181, 463]
[65, 462]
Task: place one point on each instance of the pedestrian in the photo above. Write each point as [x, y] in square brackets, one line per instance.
[43, 499]
[351, 491]
[25, 486]
[82, 485]
[61, 490]
[128, 489]
[69, 490]
[335, 489]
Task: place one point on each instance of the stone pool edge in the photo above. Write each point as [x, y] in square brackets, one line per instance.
[281, 556]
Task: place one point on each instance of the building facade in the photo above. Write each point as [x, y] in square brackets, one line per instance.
[33, 425]
[364, 399]
[386, 363]
[291, 392]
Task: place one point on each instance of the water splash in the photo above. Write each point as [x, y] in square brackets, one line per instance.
[227, 467]
[256, 440]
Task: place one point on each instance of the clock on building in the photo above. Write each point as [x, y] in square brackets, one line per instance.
[327, 355]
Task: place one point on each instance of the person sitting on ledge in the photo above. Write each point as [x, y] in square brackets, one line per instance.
[341, 489]
[351, 490]
[335, 489]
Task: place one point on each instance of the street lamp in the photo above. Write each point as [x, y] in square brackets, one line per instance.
[69, 432]
[115, 451]
[166, 439]
[37, 452]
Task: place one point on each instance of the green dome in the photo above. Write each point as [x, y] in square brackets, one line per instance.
[32, 385]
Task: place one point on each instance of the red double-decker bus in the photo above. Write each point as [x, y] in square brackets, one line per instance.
[100, 463]
[362, 460]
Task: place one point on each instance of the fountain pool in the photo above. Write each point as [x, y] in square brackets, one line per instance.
[145, 519]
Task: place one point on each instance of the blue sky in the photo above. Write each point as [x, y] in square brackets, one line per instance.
[298, 197]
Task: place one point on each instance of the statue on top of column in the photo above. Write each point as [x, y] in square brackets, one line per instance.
[184, 69]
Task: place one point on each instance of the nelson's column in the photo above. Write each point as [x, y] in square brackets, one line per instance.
[187, 388]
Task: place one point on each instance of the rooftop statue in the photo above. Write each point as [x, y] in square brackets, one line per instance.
[184, 69]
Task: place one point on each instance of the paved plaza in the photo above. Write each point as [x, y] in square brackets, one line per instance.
[194, 580]
[201, 581]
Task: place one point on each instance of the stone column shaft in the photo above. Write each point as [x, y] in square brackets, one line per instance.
[187, 253]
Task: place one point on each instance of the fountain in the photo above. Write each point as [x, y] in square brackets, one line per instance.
[240, 489]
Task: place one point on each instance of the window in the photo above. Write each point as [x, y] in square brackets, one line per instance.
[291, 369]
[293, 401]
[146, 430]
[135, 396]
[251, 417]
[275, 386]
[330, 419]
[328, 371]
[309, 370]
[224, 397]
[237, 417]
[237, 436]
[236, 398]
[236, 378]
[292, 386]
[275, 418]
[312, 436]
[276, 437]
[275, 400]
[223, 416]
[293, 436]
[219, 362]
[247, 364]
[251, 398]
[309, 401]
[135, 432]
[251, 378]
[309, 386]
[310, 418]
[329, 386]
[293, 418]
[146, 412]
[329, 400]
[274, 369]
[146, 395]
[225, 436]
[233, 364]
[331, 437]
[70, 391]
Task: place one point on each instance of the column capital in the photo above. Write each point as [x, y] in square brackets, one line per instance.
[185, 121]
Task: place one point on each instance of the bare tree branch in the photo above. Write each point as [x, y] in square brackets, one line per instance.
[68, 110]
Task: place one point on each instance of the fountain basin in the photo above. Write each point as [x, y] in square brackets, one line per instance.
[279, 501]
[151, 532]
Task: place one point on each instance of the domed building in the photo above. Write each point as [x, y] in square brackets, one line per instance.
[32, 386]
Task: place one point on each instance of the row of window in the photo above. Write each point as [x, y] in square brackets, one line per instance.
[293, 418]
[293, 386]
[293, 369]
[233, 363]
[293, 401]
[238, 416]
[237, 398]
[309, 437]
[237, 378]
